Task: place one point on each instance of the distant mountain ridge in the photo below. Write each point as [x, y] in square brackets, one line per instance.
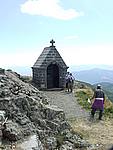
[89, 67]
[94, 76]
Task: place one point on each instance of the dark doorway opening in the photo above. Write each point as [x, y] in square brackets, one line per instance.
[52, 76]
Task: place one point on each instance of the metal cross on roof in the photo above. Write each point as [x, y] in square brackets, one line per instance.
[52, 42]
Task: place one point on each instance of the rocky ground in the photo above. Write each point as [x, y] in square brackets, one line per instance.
[27, 113]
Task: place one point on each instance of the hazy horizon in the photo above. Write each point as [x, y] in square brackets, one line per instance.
[27, 70]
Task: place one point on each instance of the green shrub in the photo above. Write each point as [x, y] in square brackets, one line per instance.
[26, 78]
[82, 98]
[108, 111]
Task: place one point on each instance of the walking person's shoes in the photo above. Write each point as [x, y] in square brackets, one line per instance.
[100, 119]
[91, 117]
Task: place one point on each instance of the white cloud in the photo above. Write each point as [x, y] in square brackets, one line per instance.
[49, 8]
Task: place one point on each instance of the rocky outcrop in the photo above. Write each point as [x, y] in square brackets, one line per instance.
[29, 113]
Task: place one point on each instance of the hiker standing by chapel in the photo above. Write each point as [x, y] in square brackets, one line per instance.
[98, 104]
[66, 80]
[70, 82]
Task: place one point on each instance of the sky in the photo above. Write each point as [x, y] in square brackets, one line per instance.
[82, 30]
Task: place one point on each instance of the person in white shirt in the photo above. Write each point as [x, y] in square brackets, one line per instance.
[70, 82]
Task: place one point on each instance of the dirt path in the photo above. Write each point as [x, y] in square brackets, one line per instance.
[96, 132]
[67, 102]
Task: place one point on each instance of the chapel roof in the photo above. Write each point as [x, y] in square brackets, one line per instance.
[49, 55]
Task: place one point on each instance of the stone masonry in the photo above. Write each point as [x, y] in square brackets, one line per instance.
[49, 70]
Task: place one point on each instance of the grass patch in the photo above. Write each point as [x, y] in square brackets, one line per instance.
[79, 127]
[108, 112]
[82, 98]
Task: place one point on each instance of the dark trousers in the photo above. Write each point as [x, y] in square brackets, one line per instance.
[70, 86]
[100, 113]
[66, 84]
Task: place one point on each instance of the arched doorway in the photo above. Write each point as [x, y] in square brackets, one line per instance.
[52, 76]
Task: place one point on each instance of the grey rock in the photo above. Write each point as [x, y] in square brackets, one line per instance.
[2, 71]
[67, 146]
[51, 143]
[12, 131]
[29, 113]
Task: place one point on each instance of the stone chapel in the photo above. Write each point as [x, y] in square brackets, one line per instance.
[49, 70]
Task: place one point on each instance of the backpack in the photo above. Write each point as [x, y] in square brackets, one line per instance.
[70, 80]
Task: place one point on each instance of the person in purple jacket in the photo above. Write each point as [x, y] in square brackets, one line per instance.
[98, 104]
